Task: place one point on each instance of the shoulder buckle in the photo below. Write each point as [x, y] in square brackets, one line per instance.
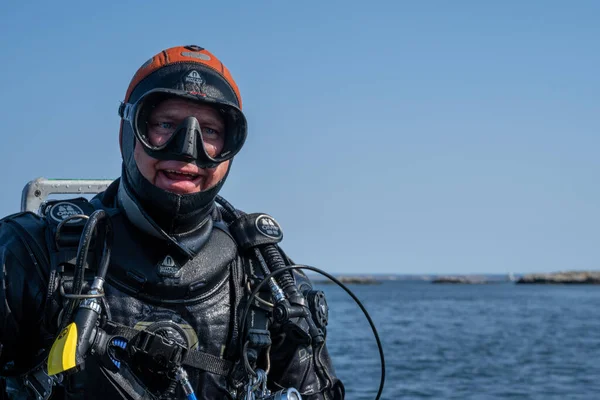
[40, 383]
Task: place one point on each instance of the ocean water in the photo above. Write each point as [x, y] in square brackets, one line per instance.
[493, 341]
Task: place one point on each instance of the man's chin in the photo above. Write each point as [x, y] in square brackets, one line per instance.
[177, 190]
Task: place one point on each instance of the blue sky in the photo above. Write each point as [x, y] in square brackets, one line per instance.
[388, 137]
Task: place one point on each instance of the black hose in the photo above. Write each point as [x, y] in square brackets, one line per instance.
[82, 254]
[106, 247]
[279, 271]
[275, 262]
[228, 206]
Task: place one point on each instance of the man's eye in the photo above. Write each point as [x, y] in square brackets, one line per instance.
[210, 131]
[163, 125]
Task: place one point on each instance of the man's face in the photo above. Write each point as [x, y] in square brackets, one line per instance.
[178, 176]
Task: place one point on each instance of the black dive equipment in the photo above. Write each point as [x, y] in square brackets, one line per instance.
[157, 351]
[256, 291]
[303, 315]
[74, 340]
[157, 354]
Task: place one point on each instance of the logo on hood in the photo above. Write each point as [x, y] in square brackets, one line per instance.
[194, 77]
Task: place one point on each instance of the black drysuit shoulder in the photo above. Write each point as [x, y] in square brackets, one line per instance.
[23, 287]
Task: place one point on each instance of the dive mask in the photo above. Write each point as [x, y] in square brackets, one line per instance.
[185, 140]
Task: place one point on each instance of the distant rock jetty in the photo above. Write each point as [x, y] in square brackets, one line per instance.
[570, 277]
[467, 280]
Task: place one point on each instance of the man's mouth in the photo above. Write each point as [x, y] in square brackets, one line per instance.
[181, 181]
[178, 175]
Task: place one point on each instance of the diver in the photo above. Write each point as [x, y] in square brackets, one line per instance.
[143, 292]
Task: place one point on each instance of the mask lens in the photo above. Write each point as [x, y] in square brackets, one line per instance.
[235, 133]
[152, 129]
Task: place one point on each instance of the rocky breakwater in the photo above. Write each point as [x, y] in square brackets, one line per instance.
[568, 277]
[469, 280]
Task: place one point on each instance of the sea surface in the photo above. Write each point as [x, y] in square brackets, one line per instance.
[491, 341]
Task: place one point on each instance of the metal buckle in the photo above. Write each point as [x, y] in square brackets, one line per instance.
[40, 383]
[169, 353]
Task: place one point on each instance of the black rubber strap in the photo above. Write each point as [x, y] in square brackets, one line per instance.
[126, 385]
[208, 362]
